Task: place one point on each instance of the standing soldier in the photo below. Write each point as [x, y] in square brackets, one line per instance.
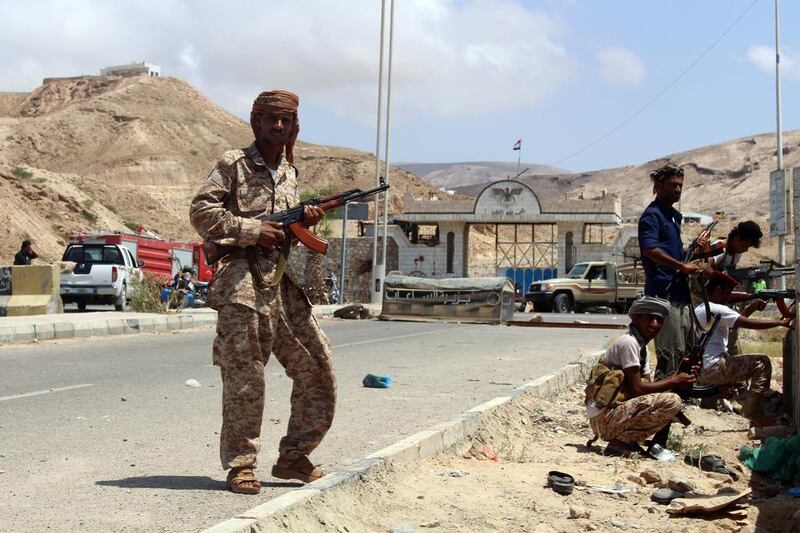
[256, 317]
[665, 273]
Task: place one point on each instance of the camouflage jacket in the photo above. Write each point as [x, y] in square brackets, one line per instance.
[239, 188]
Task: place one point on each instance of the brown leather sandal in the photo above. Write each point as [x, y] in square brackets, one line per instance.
[243, 481]
[301, 469]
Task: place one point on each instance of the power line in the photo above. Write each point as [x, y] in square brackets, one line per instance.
[661, 92]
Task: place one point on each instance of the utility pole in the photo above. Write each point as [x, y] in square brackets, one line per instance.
[379, 260]
[779, 128]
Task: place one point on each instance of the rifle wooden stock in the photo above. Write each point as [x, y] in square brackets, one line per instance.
[213, 252]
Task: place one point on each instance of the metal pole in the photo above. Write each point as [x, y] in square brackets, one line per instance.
[376, 285]
[781, 238]
[382, 269]
[343, 256]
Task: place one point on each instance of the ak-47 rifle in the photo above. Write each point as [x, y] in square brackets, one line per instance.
[780, 297]
[695, 356]
[291, 220]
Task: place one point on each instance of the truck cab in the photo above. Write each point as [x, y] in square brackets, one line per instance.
[588, 284]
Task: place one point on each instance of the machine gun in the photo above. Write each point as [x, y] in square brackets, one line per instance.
[766, 270]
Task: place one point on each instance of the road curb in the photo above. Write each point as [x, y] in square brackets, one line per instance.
[409, 450]
[45, 327]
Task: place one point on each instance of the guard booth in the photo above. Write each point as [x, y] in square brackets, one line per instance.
[478, 300]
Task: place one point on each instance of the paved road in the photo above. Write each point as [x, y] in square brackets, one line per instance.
[103, 435]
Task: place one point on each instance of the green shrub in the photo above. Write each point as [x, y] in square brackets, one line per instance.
[21, 173]
[91, 217]
[88, 203]
[131, 225]
[146, 294]
[194, 152]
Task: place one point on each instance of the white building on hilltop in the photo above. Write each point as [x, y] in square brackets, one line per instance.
[133, 69]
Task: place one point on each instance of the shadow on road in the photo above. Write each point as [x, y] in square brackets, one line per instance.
[181, 483]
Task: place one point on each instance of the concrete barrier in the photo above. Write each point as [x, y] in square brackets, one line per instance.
[30, 290]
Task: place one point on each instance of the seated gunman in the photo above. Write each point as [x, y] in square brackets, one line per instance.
[623, 405]
[721, 368]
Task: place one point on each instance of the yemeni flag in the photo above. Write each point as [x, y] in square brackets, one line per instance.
[518, 145]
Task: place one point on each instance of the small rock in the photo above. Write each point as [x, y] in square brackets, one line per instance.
[435, 523]
[591, 527]
[124, 399]
[650, 476]
[680, 485]
[402, 528]
[638, 480]
[725, 478]
[616, 522]
[579, 512]
[455, 473]
[192, 383]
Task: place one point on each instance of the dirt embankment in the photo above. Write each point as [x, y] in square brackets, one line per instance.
[463, 491]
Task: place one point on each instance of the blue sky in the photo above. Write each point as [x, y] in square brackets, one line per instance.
[470, 76]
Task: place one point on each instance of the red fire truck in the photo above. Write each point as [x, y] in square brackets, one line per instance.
[161, 257]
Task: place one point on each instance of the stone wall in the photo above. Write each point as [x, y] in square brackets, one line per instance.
[358, 268]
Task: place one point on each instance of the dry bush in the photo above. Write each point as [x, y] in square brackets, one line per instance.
[146, 294]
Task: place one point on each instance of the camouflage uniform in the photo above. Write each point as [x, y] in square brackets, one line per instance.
[733, 369]
[636, 419]
[253, 323]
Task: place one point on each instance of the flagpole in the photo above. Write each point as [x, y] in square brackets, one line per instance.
[519, 156]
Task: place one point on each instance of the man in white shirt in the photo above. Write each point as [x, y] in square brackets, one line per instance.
[742, 237]
[721, 368]
[650, 407]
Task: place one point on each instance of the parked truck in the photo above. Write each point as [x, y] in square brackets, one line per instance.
[103, 275]
[589, 284]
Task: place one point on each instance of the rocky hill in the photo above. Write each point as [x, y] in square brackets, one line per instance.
[98, 153]
[731, 176]
[451, 175]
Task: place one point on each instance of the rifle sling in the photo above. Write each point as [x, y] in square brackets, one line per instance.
[255, 270]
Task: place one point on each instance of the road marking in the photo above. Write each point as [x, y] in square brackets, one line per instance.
[383, 339]
[40, 392]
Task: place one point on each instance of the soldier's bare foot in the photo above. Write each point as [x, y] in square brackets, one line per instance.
[299, 468]
[243, 481]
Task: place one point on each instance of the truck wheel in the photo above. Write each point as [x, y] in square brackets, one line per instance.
[122, 301]
[81, 305]
[562, 303]
[521, 306]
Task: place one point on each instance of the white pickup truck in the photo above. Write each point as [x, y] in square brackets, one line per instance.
[103, 274]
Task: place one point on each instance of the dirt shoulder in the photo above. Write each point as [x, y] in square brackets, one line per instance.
[457, 491]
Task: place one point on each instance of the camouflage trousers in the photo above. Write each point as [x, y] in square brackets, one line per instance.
[756, 368]
[636, 419]
[675, 339]
[245, 339]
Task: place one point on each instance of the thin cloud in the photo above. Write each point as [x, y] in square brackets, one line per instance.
[762, 57]
[451, 57]
[621, 66]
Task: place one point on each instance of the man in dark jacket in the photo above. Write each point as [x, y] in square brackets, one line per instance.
[25, 254]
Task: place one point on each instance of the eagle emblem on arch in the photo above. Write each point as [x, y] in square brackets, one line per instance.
[507, 195]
